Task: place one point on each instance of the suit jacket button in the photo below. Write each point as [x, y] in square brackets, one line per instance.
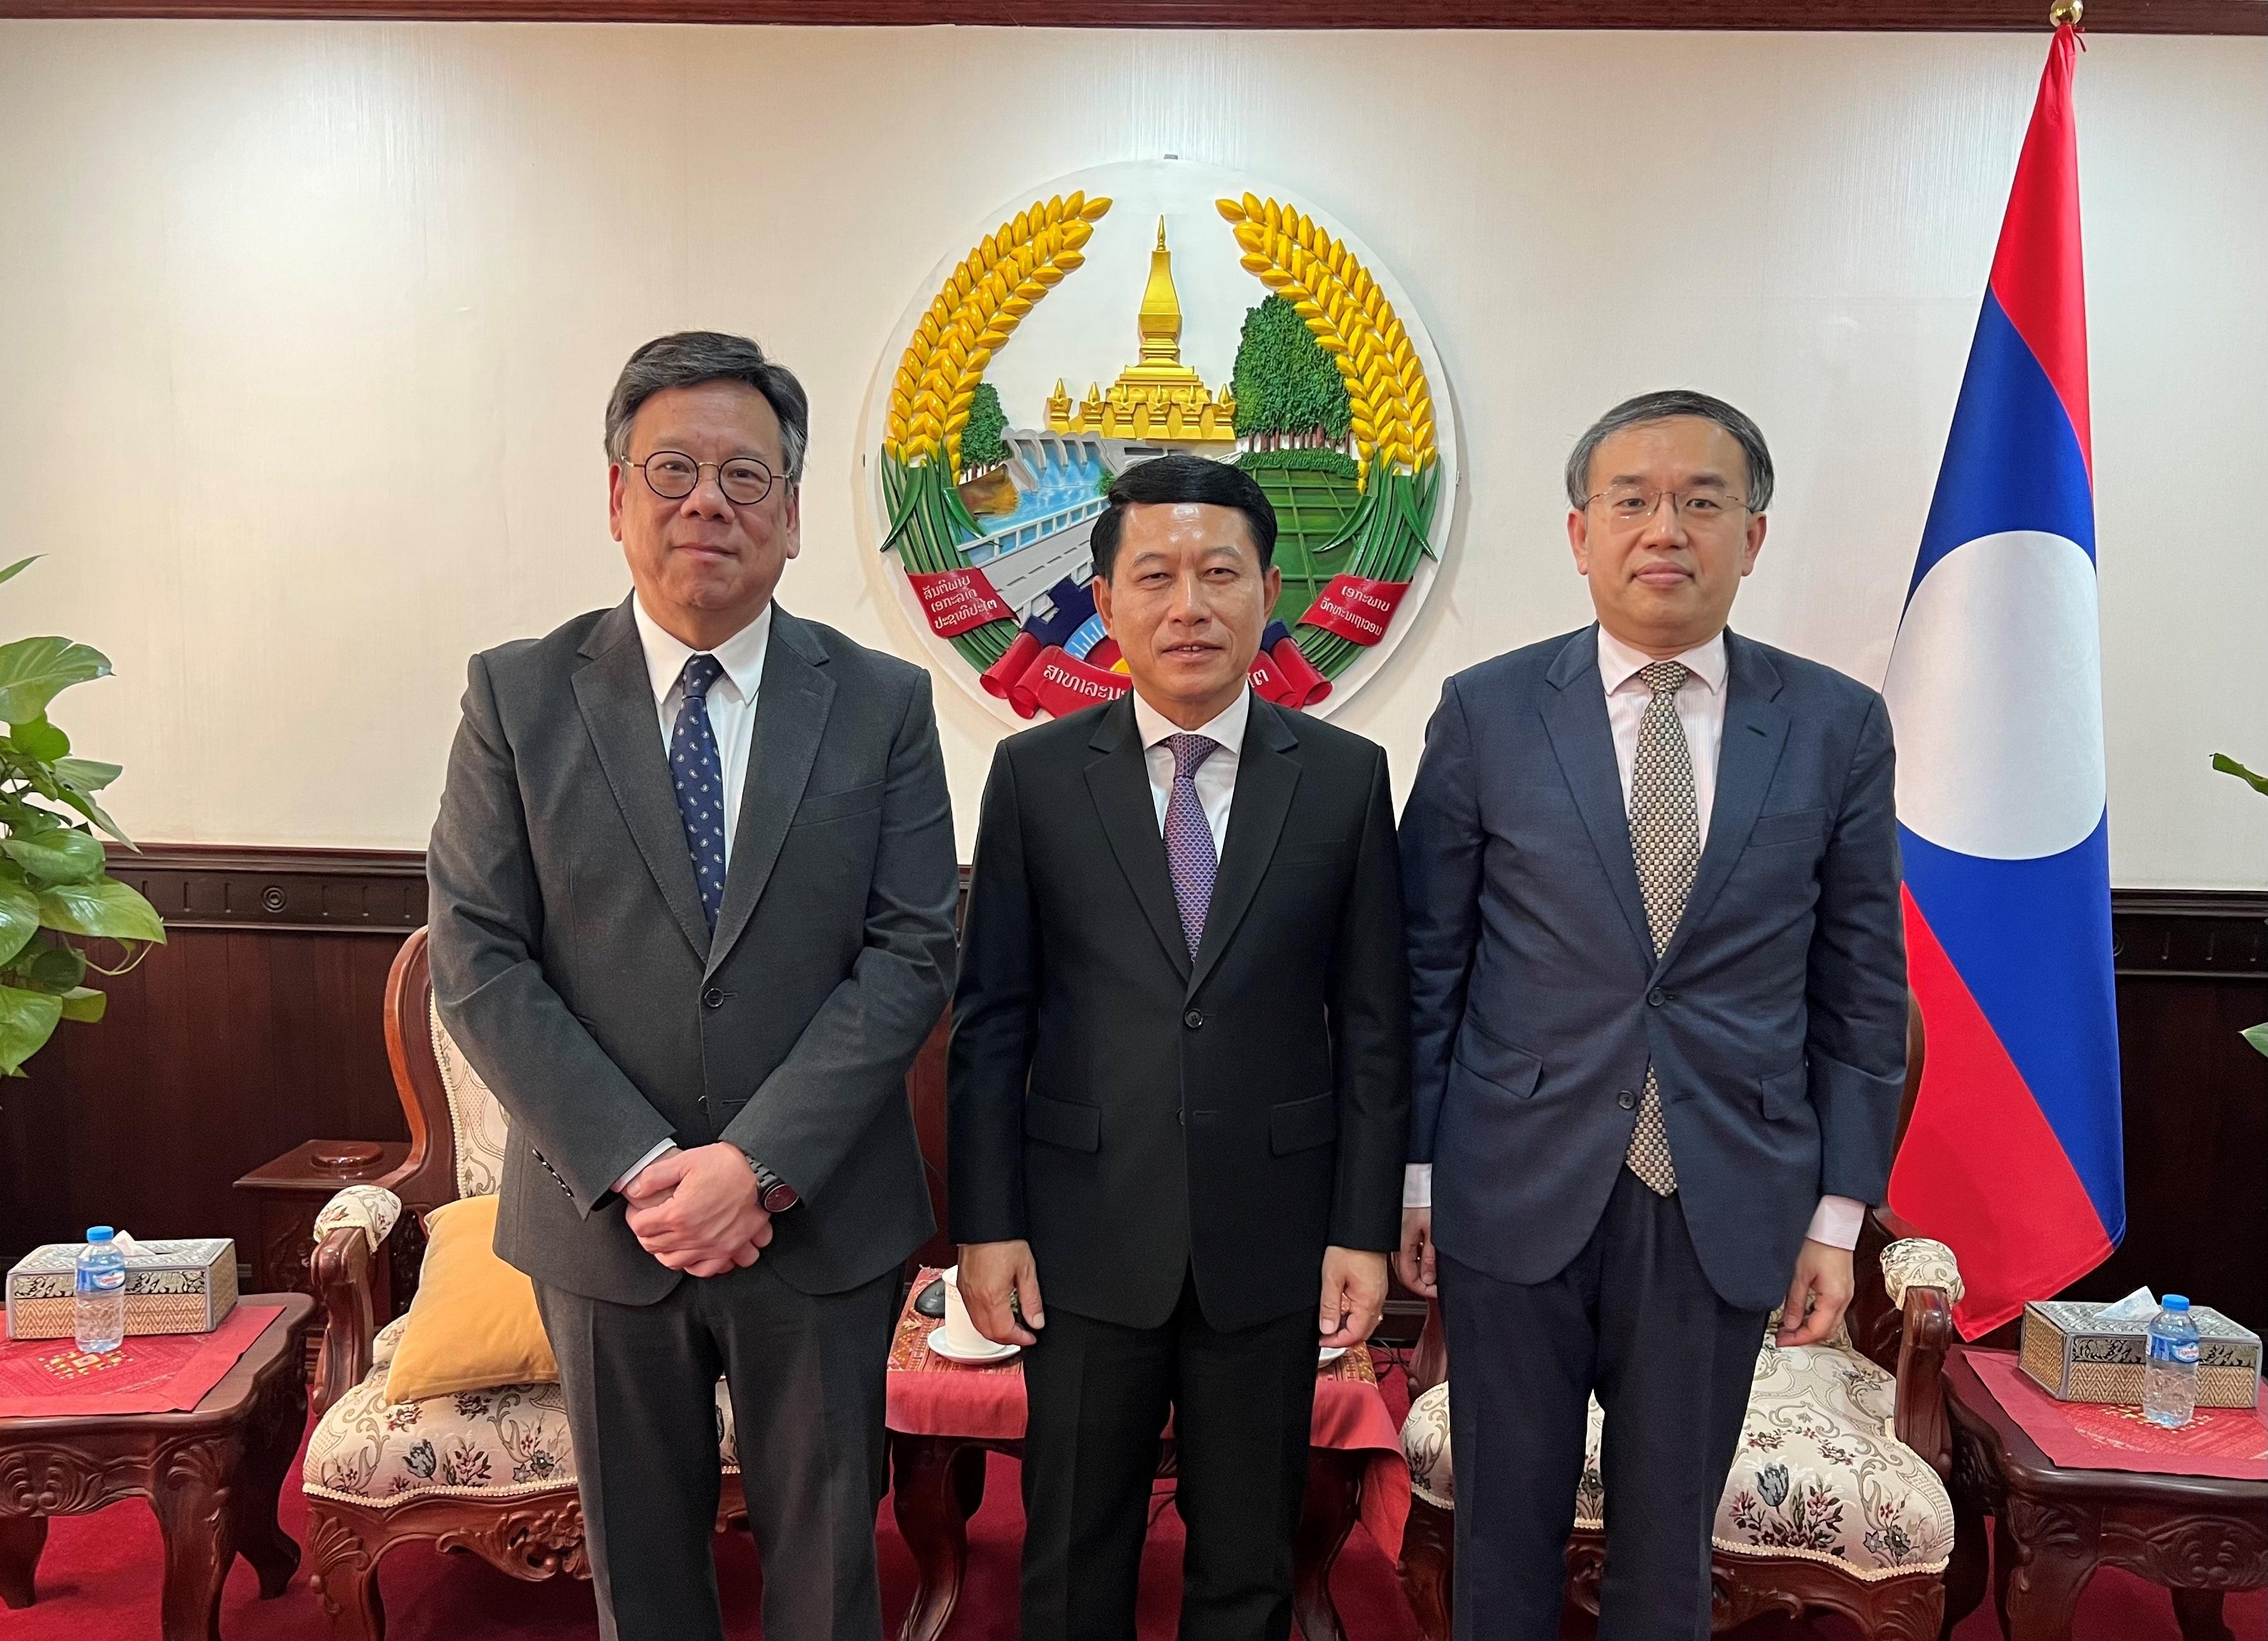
[1194, 1019]
[712, 999]
[1657, 997]
[1626, 1100]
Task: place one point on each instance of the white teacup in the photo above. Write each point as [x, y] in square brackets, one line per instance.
[961, 1335]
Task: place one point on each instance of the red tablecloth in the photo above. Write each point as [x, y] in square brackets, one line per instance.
[932, 1396]
[150, 1374]
[2230, 1443]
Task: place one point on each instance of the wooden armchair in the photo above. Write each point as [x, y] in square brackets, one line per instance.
[1837, 1502]
[489, 1471]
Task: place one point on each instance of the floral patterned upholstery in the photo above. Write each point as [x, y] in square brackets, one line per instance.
[1818, 1474]
[476, 1120]
[506, 1440]
[1918, 1262]
[370, 1209]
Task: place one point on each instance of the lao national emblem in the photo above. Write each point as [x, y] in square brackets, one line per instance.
[1258, 336]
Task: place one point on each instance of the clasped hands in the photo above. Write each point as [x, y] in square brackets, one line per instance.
[697, 1212]
[1817, 1294]
[1000, 1284]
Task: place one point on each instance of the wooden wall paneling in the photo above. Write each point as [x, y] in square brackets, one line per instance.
[2154, 17]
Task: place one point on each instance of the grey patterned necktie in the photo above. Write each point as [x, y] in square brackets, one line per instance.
[1665, 828]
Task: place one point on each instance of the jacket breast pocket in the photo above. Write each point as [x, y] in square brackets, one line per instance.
[853, 800]
[1796, 826]
[1303, 1124]
[1060, 1122]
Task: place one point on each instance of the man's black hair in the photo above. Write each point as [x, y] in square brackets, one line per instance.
[1179, 478]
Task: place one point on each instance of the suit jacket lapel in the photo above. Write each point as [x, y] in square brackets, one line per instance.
[616, 697]
[1267, 775]
[792, 705]
[1120, 784]
[1755, 732]
[1576, 719]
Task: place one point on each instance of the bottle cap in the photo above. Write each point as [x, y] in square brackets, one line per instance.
[2175, 1302]
[99, 1234]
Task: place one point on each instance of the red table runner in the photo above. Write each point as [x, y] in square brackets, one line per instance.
[2231, 1443]
[932, 1396]
[46, 1378]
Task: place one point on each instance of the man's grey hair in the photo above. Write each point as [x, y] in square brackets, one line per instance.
[1659, 407]
[690, 358]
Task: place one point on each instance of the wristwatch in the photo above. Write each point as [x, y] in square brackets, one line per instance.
[774, 1194]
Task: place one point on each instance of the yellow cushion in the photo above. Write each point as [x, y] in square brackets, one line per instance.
[473, 1324]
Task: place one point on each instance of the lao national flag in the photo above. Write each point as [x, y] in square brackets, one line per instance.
[1995, 691]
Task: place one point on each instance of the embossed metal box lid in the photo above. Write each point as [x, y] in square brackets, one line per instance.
[2076, 1357]
[172, 1287]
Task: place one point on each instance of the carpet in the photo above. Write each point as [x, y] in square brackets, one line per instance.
[99, 1580]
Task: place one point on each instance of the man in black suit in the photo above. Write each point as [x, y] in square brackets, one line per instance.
[692, 909]
[1178, 1076]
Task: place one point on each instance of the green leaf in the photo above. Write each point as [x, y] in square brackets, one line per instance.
[65, 855]
[93, 812]
[40, 740]
[27, 1019]
[2257, 1036]
[53, 970]
[19, 918]
[18, 567]
[85, 775]
[34, 671]
[103, 908]
[84, 1003]
[2227, 765]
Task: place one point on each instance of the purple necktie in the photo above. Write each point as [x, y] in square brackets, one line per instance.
[1189, 837]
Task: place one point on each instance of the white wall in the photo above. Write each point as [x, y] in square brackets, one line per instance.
[305, 332]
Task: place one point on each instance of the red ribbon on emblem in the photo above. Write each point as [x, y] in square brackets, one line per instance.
[1061, 685]
[1302, 684]
[1356, 608]
[957, 600]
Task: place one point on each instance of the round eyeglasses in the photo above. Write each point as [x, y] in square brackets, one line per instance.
[673, 476]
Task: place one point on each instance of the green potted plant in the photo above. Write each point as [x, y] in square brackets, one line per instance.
[55, 892]
[2258, 1035]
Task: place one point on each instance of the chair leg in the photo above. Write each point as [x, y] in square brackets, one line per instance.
[345, 1573]
[1428, 1568]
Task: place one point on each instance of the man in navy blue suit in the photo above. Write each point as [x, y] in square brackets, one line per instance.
[1657, 985]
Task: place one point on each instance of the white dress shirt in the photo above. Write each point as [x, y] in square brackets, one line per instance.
[1216, 777]
[731, 702]
[1701, 711]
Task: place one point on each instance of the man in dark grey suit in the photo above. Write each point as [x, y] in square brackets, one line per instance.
[692, 917]
[1659, 994]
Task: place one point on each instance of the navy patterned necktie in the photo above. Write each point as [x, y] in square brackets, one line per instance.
[698, 772]
[1189, 837]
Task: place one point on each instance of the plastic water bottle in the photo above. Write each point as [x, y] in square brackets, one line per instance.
[2169, 1379]
[100, 1323]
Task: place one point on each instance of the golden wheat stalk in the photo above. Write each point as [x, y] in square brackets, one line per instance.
[1351, 320]
[989, 292]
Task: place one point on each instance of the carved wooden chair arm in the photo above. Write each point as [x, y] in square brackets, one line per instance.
[347, 1233]
[1923, 1279]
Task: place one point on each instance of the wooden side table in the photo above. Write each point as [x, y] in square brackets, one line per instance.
[2198, 1535]
[212, 1476]
[291, 1190]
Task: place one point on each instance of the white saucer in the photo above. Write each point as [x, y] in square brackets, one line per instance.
[1324, 1359]
[991, 1353]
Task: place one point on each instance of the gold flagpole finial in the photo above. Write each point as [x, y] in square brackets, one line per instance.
[2066, 12]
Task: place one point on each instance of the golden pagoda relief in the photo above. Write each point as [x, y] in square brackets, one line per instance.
[1157, 398]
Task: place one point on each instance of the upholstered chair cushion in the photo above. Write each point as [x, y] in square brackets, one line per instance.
[1818, 1472]
[1918, 1262]
[502, 1440]
[476, 1121]
[371, 1210]
[473, 1322]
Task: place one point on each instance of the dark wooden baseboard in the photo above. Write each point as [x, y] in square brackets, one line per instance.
[2150, 16]
[257, 1026]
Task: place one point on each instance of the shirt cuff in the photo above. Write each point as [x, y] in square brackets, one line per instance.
[1836, 1221]
[643, 1162]
[1417, 1184]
